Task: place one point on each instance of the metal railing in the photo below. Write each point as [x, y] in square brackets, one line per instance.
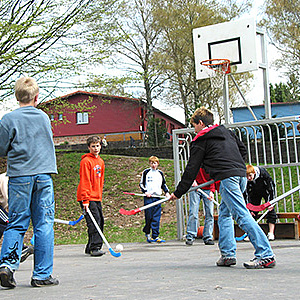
[272, 144]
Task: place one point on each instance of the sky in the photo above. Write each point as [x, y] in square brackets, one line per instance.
[255, 96]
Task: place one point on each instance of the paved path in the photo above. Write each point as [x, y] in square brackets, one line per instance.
[163, 271]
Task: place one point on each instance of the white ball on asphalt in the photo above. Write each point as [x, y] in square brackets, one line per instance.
[119, 248]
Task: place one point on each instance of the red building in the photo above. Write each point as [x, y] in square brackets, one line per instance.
[116, 117]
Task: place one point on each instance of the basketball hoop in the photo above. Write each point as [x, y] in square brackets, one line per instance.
[221, 68]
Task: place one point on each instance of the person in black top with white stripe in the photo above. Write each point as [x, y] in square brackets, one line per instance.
[261, 185]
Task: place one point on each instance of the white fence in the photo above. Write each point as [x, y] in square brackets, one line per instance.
[273, 144]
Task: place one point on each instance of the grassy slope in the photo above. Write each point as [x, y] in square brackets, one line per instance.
[122, 174]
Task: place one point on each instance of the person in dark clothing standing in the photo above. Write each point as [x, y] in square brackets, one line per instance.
[221, 154]
[261, 185]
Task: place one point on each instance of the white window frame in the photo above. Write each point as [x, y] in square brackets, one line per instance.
[82, 118]
[51, 117]
[60, 117]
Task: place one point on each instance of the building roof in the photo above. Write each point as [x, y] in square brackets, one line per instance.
[156, 110]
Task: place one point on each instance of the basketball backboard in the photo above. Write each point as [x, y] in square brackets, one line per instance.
[235, 40]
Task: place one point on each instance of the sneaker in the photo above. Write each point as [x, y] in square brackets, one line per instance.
[148, 237]
[189, 242]
[26, 252]
[45, 282]
[7, 278]
[209, 242]
[158, 240]
[97, 252]
[271, 236]
[226, 261]
[257, 263]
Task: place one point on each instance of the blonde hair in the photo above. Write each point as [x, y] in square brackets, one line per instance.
[26, 88]
[153, 159]
[202, 114]
[250, 169]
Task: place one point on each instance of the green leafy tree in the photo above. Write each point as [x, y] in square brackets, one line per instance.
[282, 22]
[158, 130]
[279, 93]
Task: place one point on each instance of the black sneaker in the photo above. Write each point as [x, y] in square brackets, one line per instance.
[209, 242]
[46, 282]
[259, 263]
[189, 242]
[97, 252]
[7, 278]
[26, 252]
[226, 261]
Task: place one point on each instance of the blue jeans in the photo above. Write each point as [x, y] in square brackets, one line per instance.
[30, 197]
[192, 225]
[152, 217]
[233, 205]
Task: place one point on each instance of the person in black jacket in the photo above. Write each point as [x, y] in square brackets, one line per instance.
[221, 154]
[261, 185]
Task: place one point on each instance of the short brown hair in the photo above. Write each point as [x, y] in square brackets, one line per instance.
[250, 169]
[202, 114]
[298, 126]
[26, 88]
[93, 139]
[153, 159]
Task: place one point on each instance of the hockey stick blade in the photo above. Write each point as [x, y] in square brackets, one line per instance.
[240, 238]
[72, 223]
[125, 212]
[258, 207]
[76, 221]
[113, 253]
[272, 202]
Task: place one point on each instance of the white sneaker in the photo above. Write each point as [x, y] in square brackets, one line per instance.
[271, 236]
[246, 239]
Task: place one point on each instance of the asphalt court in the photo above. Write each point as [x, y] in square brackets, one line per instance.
[163, 271]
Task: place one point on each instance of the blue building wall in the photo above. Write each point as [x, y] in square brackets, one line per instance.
[278, 110]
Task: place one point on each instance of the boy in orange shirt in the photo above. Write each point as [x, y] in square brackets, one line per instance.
[89, 193]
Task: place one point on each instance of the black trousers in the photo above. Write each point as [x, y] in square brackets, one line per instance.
[94, 239]
[271, 215]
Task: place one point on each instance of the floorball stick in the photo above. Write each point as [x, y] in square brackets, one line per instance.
[136, 194]
[205, 195]
[72, 223]
[69, 222]
[238, 239]
[137, 210]
[272, 202]
[123, 211]
[112, 252]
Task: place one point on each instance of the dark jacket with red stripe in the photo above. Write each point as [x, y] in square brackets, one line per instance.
[219, 151]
